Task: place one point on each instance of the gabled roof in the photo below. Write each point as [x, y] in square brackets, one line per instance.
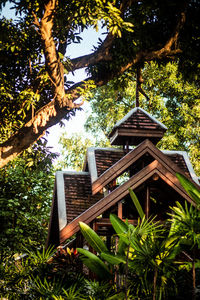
[165, 172]
[105, 164]
[136, 126]
[77, 195]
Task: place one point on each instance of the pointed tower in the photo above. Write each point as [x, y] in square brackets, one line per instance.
[135, 127]
[108, 174]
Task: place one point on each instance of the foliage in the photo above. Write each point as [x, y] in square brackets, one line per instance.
[74, 149]
[21, 276]
[146, 250]
[35, 91]
[26, 192]
[172, 100]
[100, 290]
[47, 274]
[41, 274]
[185, 224]
[190, 188]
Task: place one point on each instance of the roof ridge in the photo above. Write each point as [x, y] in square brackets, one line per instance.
[134, 110]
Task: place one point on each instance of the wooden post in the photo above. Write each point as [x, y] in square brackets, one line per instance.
[79, 244]
[94, 225]
[119, 213]
[147, 206]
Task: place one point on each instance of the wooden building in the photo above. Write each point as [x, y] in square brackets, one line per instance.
[102, 187]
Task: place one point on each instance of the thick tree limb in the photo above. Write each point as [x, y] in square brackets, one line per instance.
[48, 116]
[55, 110]
[53, 65]
[63, 101]
[103, 53]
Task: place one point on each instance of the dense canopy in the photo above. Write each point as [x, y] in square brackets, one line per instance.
[34, 60]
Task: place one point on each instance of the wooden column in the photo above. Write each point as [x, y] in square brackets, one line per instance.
[79, 244]
[147, 204]
[119, 212]
[94, 226]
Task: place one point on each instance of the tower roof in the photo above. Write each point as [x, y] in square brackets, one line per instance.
[135, 127]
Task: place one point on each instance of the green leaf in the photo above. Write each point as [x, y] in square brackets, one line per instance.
[92, 238]
[121, 229]
[60, 55]
[122, 246]
[94, 263]
[118, 225]
[120, 296]
[189, 187]
[113, 259]
[137, 203]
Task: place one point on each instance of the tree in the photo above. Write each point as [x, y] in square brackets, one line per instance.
[185, 225]
[147, 251]
[25, 196]
[172, 100]
[74, 148]
[35, 93]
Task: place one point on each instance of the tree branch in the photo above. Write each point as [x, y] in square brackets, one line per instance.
[63, 101]
[35, 128]
[102, 54]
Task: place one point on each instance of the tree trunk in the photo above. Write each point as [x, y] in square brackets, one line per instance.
[154, 283]
[194, 278]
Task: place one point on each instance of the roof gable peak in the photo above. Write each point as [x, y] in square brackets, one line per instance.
[139, 109]
[136, 126]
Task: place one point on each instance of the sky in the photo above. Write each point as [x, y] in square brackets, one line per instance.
[76, 124]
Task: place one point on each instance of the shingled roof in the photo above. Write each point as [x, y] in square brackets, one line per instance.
[80, 196]
[104, 158]
[166, 173]
[135, 127]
